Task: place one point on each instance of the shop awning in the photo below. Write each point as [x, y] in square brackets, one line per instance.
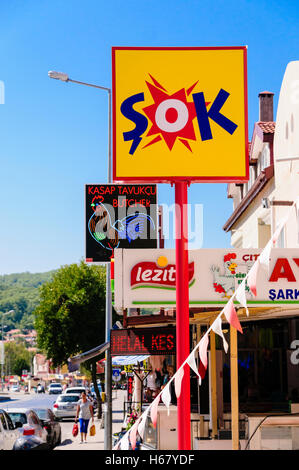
[127, 360]
[89, 354]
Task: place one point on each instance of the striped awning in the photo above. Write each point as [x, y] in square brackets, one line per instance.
[127, 360]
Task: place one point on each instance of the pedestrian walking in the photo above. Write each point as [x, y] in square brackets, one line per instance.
[84, 413]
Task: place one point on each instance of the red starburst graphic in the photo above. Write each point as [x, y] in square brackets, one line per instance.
[171, 115]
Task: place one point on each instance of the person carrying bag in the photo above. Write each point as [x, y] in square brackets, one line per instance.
[84, 412]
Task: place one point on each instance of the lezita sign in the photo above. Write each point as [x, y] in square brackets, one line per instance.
[180, 113]
[146, 278]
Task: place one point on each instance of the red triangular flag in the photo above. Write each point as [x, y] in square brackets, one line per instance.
[231, 315]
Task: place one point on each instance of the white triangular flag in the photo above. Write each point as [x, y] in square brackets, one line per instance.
[191, 362]
[141, 425]
[166, 397]
[203, 350]
[124, 443]
[264, 257]
[217, 328]
[240, 295]
[133, 433]
[178, 381]
[154, 410]
[252, 277]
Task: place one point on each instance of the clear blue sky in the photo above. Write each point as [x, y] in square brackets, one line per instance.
[53, 136]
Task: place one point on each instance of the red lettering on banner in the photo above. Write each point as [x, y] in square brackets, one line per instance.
[170, 342]
[155, 342]
[282, 270]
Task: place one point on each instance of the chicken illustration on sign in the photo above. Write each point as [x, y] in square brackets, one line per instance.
[109, 234]
[225, 281]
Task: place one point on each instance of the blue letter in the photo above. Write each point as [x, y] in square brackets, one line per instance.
[139, 119]
[203, 115]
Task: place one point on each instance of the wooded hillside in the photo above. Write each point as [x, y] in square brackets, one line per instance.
[20, 292]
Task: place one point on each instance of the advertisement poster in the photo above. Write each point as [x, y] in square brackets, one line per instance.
[119, 216]
[180, 113]
[148, 278]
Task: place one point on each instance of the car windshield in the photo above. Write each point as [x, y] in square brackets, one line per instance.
[55, 385]
[42, 414]
[18, 417]
[69, 398]
[75, 390]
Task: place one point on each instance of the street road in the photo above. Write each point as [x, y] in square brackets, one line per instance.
[39, 400]
[68, 442]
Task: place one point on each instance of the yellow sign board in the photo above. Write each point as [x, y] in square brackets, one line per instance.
[180, 114]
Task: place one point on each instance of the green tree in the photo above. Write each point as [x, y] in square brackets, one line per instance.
[70, 318]
[17, 358]
[20, 365]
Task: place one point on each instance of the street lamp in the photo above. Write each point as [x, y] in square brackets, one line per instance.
[2, 343]
[65, 78]
[108, 375]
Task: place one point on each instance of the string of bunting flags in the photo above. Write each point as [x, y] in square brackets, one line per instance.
[231, 317]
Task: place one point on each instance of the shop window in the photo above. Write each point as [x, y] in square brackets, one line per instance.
[262, 367]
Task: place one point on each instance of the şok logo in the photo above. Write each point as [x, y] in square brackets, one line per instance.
[158, 274]
[172, 116]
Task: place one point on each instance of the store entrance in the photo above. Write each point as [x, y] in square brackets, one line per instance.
[262, 367]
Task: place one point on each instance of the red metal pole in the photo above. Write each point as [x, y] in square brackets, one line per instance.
[182, 312]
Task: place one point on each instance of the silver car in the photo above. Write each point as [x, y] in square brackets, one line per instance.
[8, 432]
[27, 422]
[66, 405]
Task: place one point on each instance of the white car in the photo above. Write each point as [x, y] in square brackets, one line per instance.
[27, 423]
[8, 433]
[66, 405]
[15, 388]
[75, 390]
[55, 388]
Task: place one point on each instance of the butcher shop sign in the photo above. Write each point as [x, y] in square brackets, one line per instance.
[146, 278]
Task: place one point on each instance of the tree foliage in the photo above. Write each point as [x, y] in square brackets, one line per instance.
[70, 318]
[17, 358]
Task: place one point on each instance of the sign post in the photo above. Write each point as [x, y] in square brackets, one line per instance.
[182, 312]
[180, 116]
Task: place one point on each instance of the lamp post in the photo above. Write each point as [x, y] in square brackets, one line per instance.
[2, 351]
[108, 374]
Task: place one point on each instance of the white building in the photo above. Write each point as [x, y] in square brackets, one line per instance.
[258, 208]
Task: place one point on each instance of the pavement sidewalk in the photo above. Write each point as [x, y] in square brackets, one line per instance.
[96, 442]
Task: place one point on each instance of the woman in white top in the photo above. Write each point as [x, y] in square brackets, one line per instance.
[84, 412]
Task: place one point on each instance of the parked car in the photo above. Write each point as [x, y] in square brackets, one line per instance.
[8, 432]
[15, 388]
[66, 405]
[92, 397]
[27, 422]
[78, 390]
[30, 443]
[51, 425]
[55, 388]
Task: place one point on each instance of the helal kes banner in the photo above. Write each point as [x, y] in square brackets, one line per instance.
[180, 113]
[147, 278]
[139, 341]
[119, 216]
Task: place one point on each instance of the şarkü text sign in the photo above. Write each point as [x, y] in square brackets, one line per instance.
[119, 216]
[180, 113]
[139, 341]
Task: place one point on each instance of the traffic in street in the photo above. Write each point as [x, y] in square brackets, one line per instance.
[42, 421]
[28, 415]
